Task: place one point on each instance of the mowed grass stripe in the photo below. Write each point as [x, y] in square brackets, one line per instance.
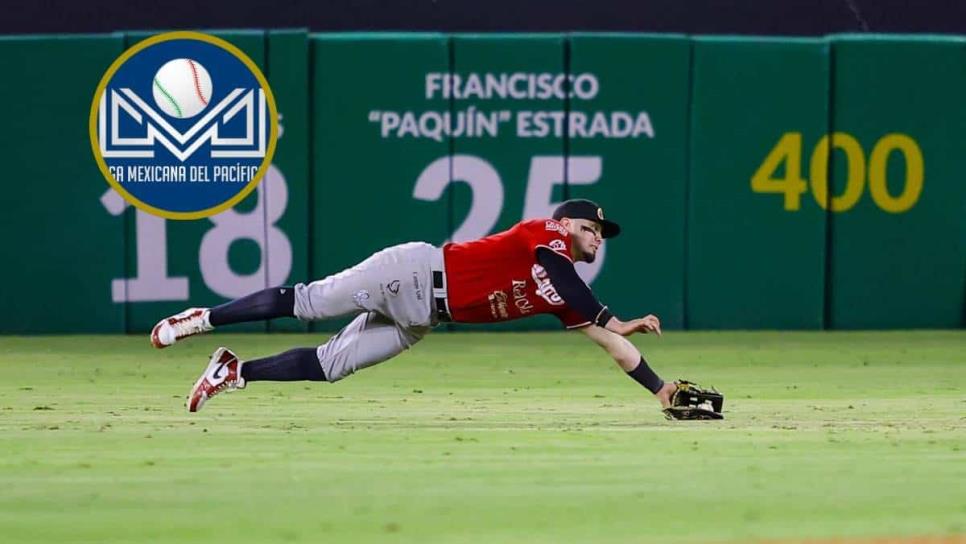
[487, 438]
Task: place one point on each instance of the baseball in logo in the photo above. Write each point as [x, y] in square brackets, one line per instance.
[183, 125]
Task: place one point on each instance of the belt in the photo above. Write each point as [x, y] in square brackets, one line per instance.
[439, 297]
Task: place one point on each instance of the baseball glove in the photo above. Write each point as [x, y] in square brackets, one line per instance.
[692, 401]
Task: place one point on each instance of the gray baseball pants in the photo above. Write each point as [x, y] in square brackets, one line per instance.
[392, 293]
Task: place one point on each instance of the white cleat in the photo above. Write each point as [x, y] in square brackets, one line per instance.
[188, 323]
[223, 374]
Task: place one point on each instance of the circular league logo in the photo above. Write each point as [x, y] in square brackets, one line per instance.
[183, 125]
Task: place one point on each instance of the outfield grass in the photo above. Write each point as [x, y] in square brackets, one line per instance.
[488, 438]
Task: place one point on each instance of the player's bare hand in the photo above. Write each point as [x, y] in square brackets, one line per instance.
[646, 324]
[650, 323]
[664, 394]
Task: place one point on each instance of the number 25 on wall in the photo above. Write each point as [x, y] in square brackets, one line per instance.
[788, 150]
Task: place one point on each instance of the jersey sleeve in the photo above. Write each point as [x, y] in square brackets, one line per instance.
[571, 288]
[549, 234]
[572, 319]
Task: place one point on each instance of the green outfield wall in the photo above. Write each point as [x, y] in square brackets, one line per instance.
[770, 183]
[755, 258]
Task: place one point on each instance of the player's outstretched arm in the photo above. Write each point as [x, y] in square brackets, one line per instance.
[623, 352]
[626, 355]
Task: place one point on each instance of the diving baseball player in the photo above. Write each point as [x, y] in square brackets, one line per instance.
[400, 293]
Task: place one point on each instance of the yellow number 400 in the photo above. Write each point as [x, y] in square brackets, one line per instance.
[788, 150]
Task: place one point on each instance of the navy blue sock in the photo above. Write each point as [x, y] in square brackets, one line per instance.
[293, 365]
[646, 377]
[265, 304]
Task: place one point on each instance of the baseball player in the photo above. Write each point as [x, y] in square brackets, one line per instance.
[400, 293]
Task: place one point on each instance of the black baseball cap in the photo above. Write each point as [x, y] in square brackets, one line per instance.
[579, 208]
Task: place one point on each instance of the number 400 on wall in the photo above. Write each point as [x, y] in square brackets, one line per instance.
[788, 150]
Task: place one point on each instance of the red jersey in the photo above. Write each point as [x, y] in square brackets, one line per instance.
[497, 278]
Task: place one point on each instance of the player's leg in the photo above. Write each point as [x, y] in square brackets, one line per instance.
[265, 304]
[394, 282]
[226, 372]
[368, 340]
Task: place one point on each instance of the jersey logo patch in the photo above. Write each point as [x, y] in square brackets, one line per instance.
[558, 245]
[520, 297]
[554, 226]
[360, 298]
[498, 306]
[544, 288]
